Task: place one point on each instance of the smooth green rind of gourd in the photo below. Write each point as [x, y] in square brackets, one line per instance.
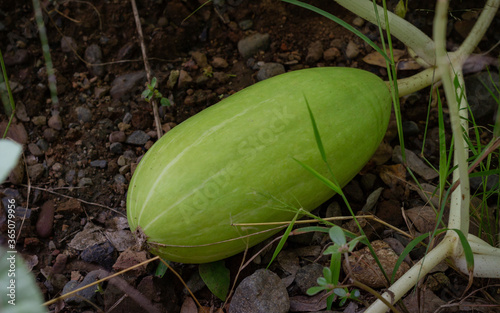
[233, 162]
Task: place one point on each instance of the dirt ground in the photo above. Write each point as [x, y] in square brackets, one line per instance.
[80, 153]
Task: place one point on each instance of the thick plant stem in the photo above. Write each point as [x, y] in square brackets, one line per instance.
[455, 97]
[419, 42]
[411, 278]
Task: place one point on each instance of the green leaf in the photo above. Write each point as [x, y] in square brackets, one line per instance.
[216, 277]
[469, 256]
[284, 238]
[161, 269]
[337, 235]
[146, 94]
[405, 252]
[322, 178]
[10, 151]
[340, 292]
[153, 83]
[25, 296]
[400, 9]
[314, 290]
[165, 102]
[327, 274]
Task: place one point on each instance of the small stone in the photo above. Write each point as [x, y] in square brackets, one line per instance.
[124, 84]
[218, 62]
[184, 79]
[100, 92]
[352, 50]
[124, 169]
[85, 181]
[173, 77]
[250, 45]
[200, 59]
[46, 219]
[83, 114]
[101, 254]
[20, 56]
[93, 55]
[35, 172]
[117, 136]
[127, 118]
[50, 134]
[68, 44]
[70, 176]
[331, 54]
[55, 122]
[43, 144]
[261, 292]
[116, 148]
[162, 21]
[120, 179]
[245, 24]
[39, 120]
[358, 21]
[314, 52]
[35, 150]
[137, 138]
[307, 276]
[410, 128]
[99, 163]
[57, 167]
[269, 70]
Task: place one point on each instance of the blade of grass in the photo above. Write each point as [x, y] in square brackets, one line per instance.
[284, 238]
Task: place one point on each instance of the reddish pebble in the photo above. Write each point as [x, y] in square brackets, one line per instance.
[46, 219]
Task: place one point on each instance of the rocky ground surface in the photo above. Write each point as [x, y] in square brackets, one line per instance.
[80, 154]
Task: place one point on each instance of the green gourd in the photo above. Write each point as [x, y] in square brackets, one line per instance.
[234, 161]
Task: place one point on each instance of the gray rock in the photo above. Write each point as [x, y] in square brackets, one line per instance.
[50, 134]
[245, 24]
[127, 118]
[306, 276]
[410, 128]
[138, 138]
[261, 292]
[314, 52]
[119, 178]
[83, 114]
[125, 83]
[68, 44]
[184, 79]
[116, 148]
[35, 150]
[87, 294]
[35, 172]
[43, 144]
[476, 183]
[99, 163]
[101, 254]
[85, 181]
[93, 55]
[269, 70]
[218, 62]
[90, 235]
[482, 104]
[250, 45]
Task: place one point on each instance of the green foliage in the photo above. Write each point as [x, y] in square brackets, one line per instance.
[152, 93]
[330, 279]
[216, 277]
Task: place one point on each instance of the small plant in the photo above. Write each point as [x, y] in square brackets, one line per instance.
[330, 279]
[152, 93]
